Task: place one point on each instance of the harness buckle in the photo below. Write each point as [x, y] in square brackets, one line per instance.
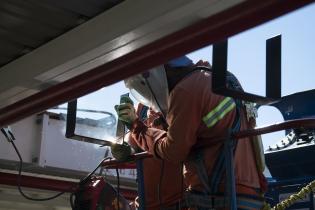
[251, 110]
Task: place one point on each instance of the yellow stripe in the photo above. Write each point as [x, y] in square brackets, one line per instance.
[221, 115]
[216, 109]
[225, 106]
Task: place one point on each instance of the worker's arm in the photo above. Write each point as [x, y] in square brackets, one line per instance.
[184, 118]
[127, 114]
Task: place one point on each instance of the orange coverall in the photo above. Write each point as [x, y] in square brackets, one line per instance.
[190, 100]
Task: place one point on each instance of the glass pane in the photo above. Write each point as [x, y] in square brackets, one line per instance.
[96, 118]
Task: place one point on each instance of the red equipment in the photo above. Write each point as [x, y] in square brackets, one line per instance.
[97, 194]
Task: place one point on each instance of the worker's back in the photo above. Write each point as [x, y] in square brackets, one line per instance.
[209, 133]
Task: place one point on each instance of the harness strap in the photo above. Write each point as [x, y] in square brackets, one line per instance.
[198, 162]
[217, 172]
[211, 186]
[219, 166]
[224, 161]
[215, 115]
[230, 191]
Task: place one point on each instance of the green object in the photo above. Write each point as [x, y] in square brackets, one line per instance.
[125, 99]
[125, 111]
[120, 131]
[121, 152]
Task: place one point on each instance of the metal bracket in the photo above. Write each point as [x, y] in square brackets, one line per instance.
[71, 124]
[273, 73]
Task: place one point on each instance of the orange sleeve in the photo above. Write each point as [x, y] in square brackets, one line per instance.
[145, 136]
[141, 136]
[131, 141]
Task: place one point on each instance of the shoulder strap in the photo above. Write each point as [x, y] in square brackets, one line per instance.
[211, 185]
[219, 166]
[198, 162]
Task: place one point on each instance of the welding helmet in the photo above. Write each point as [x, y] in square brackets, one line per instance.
[151, 88]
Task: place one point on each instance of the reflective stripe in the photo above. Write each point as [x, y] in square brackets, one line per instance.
[219, 112]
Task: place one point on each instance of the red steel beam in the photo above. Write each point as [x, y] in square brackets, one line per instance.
[110, 164]
[210, 30]
[52, 184]
[38, 182]
[290, 124]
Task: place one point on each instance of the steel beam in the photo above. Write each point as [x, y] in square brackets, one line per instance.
[51, 184]
[207, 31]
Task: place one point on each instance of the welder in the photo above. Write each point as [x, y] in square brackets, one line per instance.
[199, 121]
[162, 179]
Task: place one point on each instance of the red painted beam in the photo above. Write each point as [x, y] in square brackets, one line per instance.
[210, 30]
[110, 164]
[129, 194]
[38, 183]
[52, 184]
[290, 124]
[113, 164]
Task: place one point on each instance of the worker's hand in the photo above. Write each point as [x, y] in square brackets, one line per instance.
[203, 63]
[121, 152]
[126, 112]
[126, 100]
[156, 120]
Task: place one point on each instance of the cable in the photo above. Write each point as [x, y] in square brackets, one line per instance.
[182, 184]
[19, 180]
[123, 137]
[72, 201]
[118, 187]
[83, 181]
[160, 184]
[292, 198]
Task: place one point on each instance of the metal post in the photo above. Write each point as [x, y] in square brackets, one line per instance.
[230, 176]
[273, 67]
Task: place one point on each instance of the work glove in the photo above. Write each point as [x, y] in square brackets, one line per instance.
[126, 112]
[121, 152]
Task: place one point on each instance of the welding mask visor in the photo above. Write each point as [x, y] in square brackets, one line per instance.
[150, 89]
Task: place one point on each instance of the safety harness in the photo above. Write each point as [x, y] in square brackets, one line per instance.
[211, 198]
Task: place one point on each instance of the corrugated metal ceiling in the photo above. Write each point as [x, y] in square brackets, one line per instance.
[28, 24]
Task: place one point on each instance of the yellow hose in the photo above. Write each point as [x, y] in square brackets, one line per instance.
[292, 198]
